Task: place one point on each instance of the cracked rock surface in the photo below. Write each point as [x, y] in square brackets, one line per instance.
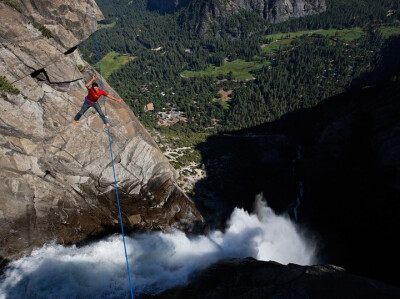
[274, 11]
[56, 178]
[277, 11]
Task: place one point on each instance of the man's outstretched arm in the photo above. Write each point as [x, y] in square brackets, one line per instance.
[91, 81]
[114, 98]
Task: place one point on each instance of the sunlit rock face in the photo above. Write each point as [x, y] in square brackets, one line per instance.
[274, 11]
[277, 11]
[56, 178]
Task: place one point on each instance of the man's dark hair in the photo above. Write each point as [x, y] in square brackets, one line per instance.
[95, 84]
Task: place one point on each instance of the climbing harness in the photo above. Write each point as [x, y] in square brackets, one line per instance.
[111, 154]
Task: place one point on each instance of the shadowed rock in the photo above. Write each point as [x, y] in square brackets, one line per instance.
[249, 278]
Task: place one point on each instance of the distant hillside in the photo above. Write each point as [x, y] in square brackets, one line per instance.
[273, 10]
[167, 5]
[271, 69]
[204, 12]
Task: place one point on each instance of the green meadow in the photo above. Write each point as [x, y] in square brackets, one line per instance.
[389, 31]
[280, 35]
[282, 39]
[241, 70]
[345, 35]
[271, 48]
[112, 62]
[104, 26]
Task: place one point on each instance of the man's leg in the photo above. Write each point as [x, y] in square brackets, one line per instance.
[84, 108]
[98, 109]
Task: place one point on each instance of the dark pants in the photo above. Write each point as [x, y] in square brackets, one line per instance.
[86, 106]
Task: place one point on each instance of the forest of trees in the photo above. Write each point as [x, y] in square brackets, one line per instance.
[311, 69]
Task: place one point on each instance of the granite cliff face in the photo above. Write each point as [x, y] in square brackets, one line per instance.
[274, 11]
[167, 5]
[56, 178]
[277, 11]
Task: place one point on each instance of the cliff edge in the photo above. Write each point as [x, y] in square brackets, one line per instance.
[56, 177]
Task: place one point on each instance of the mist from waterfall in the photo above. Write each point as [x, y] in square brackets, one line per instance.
[158, 260]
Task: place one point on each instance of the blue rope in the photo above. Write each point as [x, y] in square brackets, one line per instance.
[112, 160]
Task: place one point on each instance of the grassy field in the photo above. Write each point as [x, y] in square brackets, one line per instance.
[283, 40]
[346, 35]
[102, 26]
[268, 49]
[277, 36]
[241, 70]
[390, 31]
[113, 61]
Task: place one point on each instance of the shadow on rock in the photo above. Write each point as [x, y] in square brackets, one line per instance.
[349, 169]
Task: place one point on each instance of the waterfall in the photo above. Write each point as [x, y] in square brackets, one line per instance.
[159, 260]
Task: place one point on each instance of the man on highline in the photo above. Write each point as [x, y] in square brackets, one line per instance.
[94, 93]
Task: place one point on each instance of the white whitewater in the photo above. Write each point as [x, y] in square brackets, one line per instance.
[158, 261]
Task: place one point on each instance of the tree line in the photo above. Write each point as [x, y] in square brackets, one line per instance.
[312, 69]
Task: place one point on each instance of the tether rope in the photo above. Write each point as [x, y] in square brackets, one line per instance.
[112, 158]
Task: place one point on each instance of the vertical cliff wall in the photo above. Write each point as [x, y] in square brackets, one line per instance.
[56, 180]
[274, 11]
[277, 11]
